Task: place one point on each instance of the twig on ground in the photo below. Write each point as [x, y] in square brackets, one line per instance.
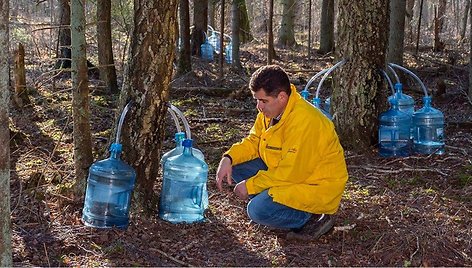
[397, 171]
[417, 249]
[170, 257]
[46, 252]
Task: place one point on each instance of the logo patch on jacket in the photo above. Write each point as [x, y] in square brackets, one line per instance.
[273, 148]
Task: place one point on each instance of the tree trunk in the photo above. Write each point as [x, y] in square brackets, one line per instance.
[286, 31]
[235, 31]
[222, 31]
[270, 34]
[80, 93]
[200, 22]
[5, 219]
[184, 65]
[410, 4]
[21, 95]
[244, 25]
[359, 93]
[327, 27]
[465, 19]
[152, 52]
[105, 49]
[309, 30]
[438, 25]
[397, 31]
[211, 12]
[470, 56]
[64, 53]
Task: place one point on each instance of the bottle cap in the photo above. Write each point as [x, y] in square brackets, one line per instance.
[187, 143]
[116, 147]
[179, 136]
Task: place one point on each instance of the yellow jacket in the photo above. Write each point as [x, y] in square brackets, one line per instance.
[306, 166]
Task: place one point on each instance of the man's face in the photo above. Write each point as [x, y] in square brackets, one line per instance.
[268, 105]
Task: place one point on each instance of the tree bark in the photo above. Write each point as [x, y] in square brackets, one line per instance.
[397, 31]
[184, 65]
[309, 30]
[5, 219]
[235, 33]
[222, 31]
[64, 51]
[21, 95]
[200, 22]
[465, 19]
[80, 93]
[244, 25]
[151, 53]
[286, 31]
[211, 12]
[105, 49]
[410, 4]
[359, 93]
[270, 34]
[470, 56]
[327, 27]
[438, 25]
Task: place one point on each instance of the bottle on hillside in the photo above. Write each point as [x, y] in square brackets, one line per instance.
[406, 103]
[394, 132]
[317, 102]
[184, 194]
[206, 50]
[428, 129]
[108, 194]
[229, 53]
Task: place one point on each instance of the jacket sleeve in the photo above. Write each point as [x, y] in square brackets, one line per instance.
[300, 149]
[248, 148]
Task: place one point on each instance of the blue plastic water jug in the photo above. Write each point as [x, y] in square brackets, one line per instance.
[327, 105]
[394, 132]
[317, 102]
[184, 187]
[179, 137]
[305, 94]
[428, 129]
[206, 51]
[214, 41]
[229, 53]
[406, 103]
[108, 194]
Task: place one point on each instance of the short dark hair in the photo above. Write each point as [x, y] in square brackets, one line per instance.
[272, 79]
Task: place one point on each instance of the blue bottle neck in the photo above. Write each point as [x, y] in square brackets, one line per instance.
[187, 151]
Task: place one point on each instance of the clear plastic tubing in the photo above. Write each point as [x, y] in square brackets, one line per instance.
[182, 117]
[176, 120]
[412, 75]
[327, 74]
[397, 79]
[389, 81]
[320, 73]
[120, 124]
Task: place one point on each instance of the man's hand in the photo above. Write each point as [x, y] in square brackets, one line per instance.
[224, 171]
[240, 190]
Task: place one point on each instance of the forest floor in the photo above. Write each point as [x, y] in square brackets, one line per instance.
[411, 211]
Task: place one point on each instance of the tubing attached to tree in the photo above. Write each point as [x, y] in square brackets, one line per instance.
[341, 62]
[412, 75]
[184, 120]
[120, 123]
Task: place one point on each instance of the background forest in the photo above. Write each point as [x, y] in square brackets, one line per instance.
[74, 64]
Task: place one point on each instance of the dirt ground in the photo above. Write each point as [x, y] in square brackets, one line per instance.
[411, 211]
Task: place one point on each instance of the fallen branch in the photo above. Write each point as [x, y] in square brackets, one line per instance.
[397, 171]
[170, 257]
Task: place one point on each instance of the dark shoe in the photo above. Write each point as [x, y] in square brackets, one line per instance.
[317, 226]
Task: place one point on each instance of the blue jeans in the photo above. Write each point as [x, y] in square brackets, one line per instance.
[261, 208]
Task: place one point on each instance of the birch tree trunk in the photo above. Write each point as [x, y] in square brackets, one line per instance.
[80, 98]
[359, 93]
[146, 83]
[5, 219]
[286, 31]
